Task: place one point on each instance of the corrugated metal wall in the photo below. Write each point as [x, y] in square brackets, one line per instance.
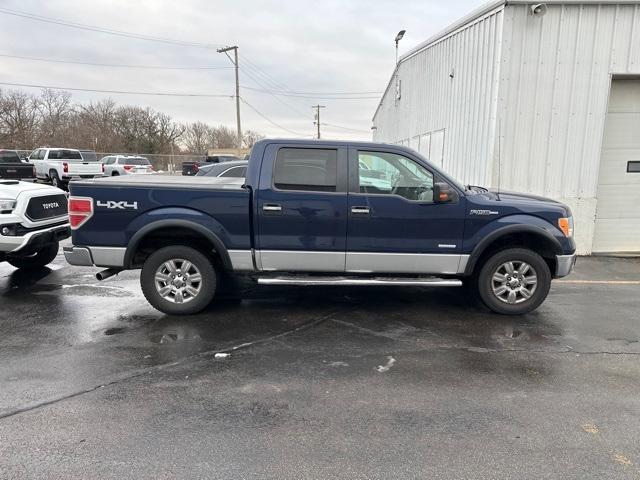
[554, 87]
[462, 106]
[546, 79]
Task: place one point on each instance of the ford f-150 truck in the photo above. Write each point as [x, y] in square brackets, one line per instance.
[321, 213]
[33, 220]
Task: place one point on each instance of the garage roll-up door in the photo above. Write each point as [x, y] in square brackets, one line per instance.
[617, 227]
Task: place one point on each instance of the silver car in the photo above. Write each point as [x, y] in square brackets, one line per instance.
[115, 165]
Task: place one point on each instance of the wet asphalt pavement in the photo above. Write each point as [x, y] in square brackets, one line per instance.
[319, 383]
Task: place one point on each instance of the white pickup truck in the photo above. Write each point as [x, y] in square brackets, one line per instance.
[33, 220]
[60, 165]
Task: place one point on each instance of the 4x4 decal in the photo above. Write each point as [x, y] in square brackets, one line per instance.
[112, 204]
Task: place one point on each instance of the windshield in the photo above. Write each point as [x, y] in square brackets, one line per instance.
[7, 156]
[64, 155]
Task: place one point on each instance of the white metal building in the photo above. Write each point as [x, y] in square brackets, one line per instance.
[546, 103]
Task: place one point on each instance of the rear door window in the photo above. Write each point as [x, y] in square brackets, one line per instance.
[306, 169]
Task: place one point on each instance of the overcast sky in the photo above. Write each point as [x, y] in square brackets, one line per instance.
[299, 46]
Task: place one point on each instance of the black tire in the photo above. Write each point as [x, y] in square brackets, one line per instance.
[55, 180]
[525, 303]
[114, 174]
[39, 259]
[167, 304]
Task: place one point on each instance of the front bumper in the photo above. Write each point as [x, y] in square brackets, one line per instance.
[564, 265]
[112, 257]
[35, 239]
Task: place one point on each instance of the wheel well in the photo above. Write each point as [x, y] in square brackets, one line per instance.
[167, 236]
[537, 243]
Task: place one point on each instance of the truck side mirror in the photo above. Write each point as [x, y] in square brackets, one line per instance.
[443, 193]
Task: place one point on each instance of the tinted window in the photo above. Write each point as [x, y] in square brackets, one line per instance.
[64, 155]
[134, 161]
[33, 155]
[392, 174]
[633, 167]
[238, 172]
[306, 169]
[7, 156]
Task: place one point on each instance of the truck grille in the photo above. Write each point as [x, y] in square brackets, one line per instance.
[49, 206]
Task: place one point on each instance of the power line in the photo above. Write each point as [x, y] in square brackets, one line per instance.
[124, 92]
[345, 128]
[108, 31]
[271, 121]
[322, 97]
[155, 67]
[283, 102]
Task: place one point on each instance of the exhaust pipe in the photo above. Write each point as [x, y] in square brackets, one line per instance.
[109, 272]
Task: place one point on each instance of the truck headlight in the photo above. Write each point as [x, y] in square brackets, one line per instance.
[566, 226]
[7, 205]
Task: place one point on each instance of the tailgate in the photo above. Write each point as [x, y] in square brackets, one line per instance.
[85, 168]
[16, 171]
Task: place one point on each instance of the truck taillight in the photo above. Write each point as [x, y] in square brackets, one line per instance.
[102, 167]
[196, 167]
[128, 167]
[65, 167]
[80, 210]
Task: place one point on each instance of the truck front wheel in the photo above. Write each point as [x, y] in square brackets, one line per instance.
[39, 259]
[178, 280]
[514, 281]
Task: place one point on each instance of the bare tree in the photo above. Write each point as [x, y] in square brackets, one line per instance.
[53, 119]
[222, 137]
[56, 111]
[197, 137]
[19, 116]
[251, 137]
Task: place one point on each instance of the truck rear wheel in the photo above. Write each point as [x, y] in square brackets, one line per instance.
[178, 280]
[514, 281]
[39, 259]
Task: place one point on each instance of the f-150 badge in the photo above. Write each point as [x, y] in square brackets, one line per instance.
[112, 204]
[483, 212]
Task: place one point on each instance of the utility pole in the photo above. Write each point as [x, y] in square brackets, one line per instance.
[317, 116]
[234, 60]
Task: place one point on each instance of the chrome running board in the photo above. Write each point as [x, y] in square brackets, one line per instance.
[356, 281]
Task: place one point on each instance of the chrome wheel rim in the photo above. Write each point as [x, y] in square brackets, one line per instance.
[514, 282]
[178, 281]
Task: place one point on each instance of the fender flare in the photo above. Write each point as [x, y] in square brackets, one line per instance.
[509, 229]
[218, 245]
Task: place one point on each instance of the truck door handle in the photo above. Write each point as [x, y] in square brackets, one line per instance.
[360, 210]
[271, 207]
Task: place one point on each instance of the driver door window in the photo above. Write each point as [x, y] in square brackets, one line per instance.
[384, 173]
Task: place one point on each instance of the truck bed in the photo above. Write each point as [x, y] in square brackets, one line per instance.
[167, 181]
[125, 204]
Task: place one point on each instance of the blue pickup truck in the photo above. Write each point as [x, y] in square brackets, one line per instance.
[321, 213]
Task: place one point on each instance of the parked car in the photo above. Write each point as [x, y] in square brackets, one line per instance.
[13, 168]
[191, 168]
[115, 165]
[307, 214]
[33, 220]
[60, 165]
[236, 169]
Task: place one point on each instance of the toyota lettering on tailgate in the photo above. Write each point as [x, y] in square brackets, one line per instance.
[114, 205]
